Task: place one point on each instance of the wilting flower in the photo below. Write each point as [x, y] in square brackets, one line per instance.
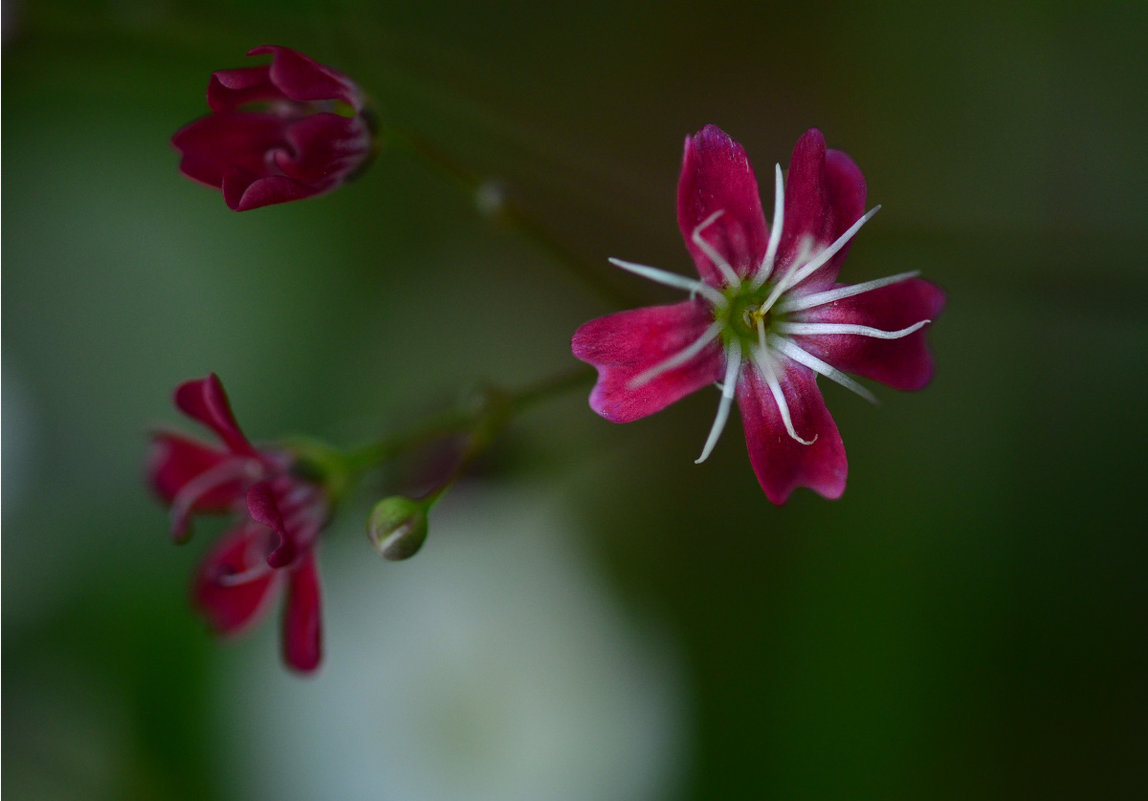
[767, 316]
[278, 518]
[278, 132]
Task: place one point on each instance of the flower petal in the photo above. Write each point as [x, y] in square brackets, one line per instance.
[263, 506]
[228, 90]
[175, 460]
[903, 363]
[243, 191]
[780, 462]
[716, 176]
[324, 149]
[205, 401]
[213, 145]
[824, 195]
[234, 583]
[302, 619]
[305, 80]
[622, 346]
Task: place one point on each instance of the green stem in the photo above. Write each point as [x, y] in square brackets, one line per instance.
[484, 419]
[509, 213]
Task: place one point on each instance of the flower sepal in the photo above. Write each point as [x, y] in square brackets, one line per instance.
[322, 464]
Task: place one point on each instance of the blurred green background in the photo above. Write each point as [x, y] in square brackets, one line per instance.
[968, 621]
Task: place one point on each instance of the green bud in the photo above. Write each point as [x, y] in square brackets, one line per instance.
[397, 527]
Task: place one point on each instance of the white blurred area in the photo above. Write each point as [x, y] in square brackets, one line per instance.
[493, 666]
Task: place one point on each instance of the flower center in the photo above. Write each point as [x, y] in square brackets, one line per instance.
[745, 314]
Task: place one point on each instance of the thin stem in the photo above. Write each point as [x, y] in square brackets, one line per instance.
[506, 211]
[483, 420]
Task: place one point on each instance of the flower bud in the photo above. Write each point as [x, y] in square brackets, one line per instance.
[397, 527]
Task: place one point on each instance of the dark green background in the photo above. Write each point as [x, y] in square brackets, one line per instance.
[968, 621]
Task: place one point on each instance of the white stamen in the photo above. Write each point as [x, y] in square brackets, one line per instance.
[798, 274]
[673, 279]
[821, 298]
[728, 387]
[766, 268]
[814, 329]
[790, 349]
[679, 358]
[719, 261]
[763, 361]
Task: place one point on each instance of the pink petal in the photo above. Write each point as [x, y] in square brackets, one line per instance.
[234, 584]
[780, 462]
[213, 145]
[324, 149]
[716, 175]
[824, 195]
[903, 363]
[204, 400]
[175, 460]
[243, 191]
[302, 629]
[625, 344]
[263, 506]
[228, 90]
[304, 80]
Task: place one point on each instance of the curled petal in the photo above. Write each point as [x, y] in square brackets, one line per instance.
[780, 462]
[302, 629]
[305, 80]
[622, 346]
[228, 90]
[824, 195]
[324, 149]
[903, 363]
[175, 461]
[204, 401]
[213, 145]
[263, 506]
[234, 583]
[717, 177]
[243, 190]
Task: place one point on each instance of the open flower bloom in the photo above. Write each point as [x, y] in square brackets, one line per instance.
[278, 519]
[278, 132]
[767, 316]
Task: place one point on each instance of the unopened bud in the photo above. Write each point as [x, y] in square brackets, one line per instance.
[397, 527]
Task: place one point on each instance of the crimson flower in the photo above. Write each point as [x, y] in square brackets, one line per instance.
[278, 519]
[767, 316]
[278, 132]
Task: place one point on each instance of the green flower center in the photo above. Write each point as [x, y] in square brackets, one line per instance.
[743, 315]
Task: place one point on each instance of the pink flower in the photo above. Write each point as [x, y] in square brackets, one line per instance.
[278, 519]
[767, 317]
[278, 132]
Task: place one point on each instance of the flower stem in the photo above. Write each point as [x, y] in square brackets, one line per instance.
[482, 419]
[491, 201]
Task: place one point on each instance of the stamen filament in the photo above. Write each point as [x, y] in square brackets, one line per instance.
[719, 261]
[231, 469]
[244, 576]
[796, 275]
[763, 361]
[790, 304]
[728, 388]
[678, 359]
[766, 268]
[815, 329]
[801, 356]
[674, 280]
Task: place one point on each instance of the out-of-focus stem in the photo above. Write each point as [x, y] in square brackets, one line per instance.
[505, 211]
